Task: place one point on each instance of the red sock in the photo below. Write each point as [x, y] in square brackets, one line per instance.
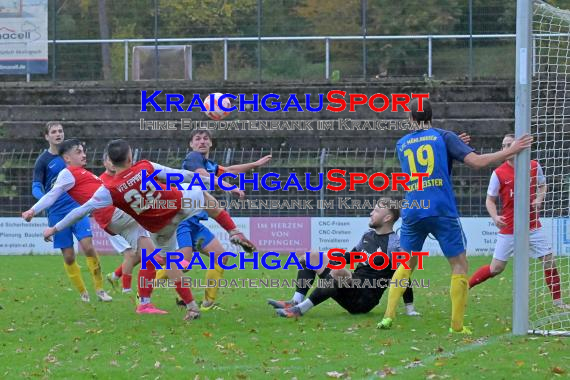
[127, 280]
[225, 221]
[482, 274]
[119, 271]
[145, 278]
[553, 281]
[184, 292]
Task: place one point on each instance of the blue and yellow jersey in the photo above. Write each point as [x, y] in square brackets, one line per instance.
[431, 151]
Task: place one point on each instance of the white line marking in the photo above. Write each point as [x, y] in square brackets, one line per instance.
[481, 342]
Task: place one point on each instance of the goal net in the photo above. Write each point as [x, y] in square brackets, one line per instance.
[550, 126]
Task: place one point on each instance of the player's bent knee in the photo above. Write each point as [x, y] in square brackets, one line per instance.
[68, 260]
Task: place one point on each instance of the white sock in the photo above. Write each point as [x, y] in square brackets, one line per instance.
[298, 297]
[192, 306]
[114, 276]
[305, 306]
[125, 290]
[145, 300]
[411, 310]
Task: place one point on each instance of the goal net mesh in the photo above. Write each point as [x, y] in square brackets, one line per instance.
[550, 126]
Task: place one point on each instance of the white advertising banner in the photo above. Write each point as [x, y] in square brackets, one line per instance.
[23, 36]
[17, 237]
[288, 234]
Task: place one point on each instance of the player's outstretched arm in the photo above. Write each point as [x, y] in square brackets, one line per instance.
[101, 198]
[189, 175]
[478, 161]
[63, 183]
[243, 168]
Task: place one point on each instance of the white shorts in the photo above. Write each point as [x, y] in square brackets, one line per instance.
[538, 244]
[124, 225]
[165, 239]
[119, 243]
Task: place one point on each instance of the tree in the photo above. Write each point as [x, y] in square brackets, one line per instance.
[104, 34]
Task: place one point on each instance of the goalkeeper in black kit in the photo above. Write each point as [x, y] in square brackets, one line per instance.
[359, 291]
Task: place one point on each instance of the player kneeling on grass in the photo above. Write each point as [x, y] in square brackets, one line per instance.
[351, 289]
[502, 185]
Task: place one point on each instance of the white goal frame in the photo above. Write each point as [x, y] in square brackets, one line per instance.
[530, 55]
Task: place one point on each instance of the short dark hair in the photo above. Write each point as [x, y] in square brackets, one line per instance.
[418, 116]
[511, 135]
[49, 126]
[395, 211]
[196, 132]
[118, 151]
[69, 145]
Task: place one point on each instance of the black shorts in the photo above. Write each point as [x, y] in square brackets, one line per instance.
[357, 300]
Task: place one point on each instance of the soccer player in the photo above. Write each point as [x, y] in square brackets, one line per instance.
[131, 257]
[191, 233]
[502, 185]
[124, 191]
[371, 283]
[81, 184]
[432, 151]
[46, 169]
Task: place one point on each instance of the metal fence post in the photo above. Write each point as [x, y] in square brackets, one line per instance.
[54, 55]
[259, 40]
[327, 58]
[470, 40]
[126, 60]
[429, 56]
[364, 53]
[225, 59]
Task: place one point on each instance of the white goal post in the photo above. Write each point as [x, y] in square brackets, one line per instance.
[542, 86]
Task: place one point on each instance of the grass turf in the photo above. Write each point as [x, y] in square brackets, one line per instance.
[48, 332]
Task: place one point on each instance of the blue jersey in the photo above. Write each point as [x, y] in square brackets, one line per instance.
[196, 160]
[46, 170]
[431, 151]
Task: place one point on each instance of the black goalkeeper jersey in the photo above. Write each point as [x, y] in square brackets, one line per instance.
[372, 242]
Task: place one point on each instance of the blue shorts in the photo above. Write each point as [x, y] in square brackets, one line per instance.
[447, 231]
[191, 233]
[64, 238]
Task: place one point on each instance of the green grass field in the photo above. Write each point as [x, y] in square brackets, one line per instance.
[47, 332]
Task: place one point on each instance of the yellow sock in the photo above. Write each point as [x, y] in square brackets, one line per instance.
[95, 269]
[160, 274]
[215, 274]
[458, 292]
[74, 273]
[396, 292]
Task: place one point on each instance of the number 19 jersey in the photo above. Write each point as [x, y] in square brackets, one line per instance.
[430, 151]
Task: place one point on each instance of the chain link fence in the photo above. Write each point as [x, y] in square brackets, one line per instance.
[16, 172]
[267, 40]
